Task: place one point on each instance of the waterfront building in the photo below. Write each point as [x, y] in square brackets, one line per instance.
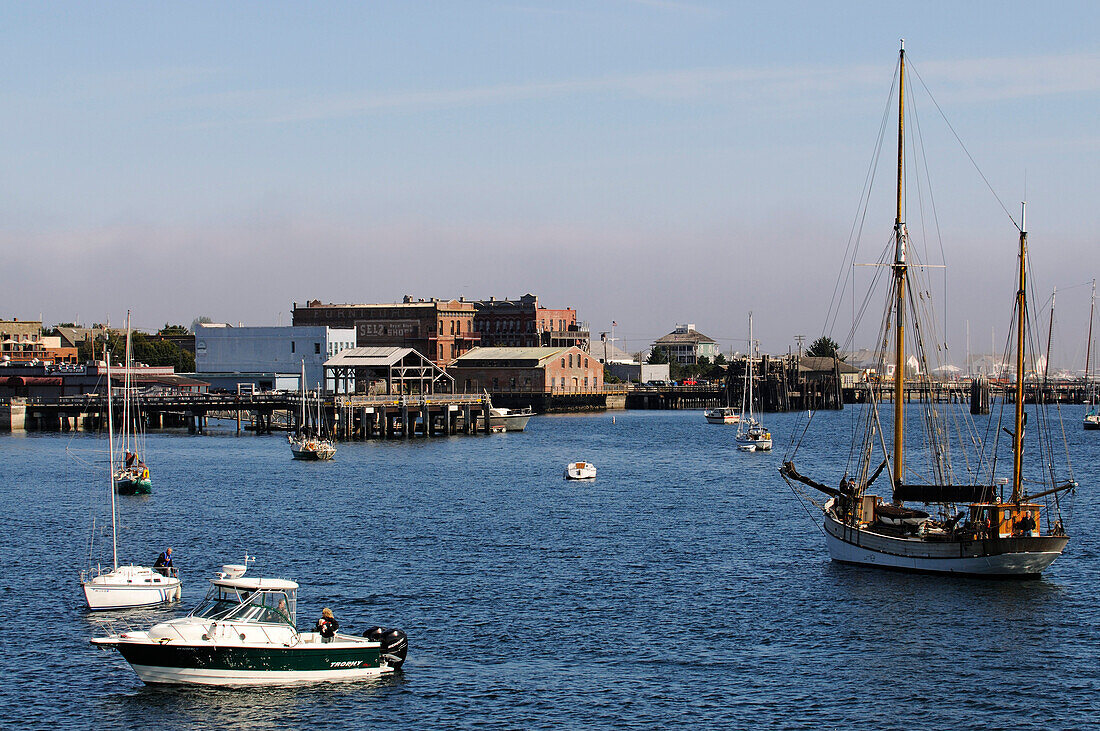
[441, 330]
[820, 369]
[525, 323]
[22, 341]
[268, 357]
[561, 370]
[687, 345]
[380, 370]
[72, 337]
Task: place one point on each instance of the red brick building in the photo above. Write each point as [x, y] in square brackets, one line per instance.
[441, 330]
[528, 370]
[525, 323]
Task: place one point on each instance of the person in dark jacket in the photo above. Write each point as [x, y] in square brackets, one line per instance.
[163, 565]
[327, 625]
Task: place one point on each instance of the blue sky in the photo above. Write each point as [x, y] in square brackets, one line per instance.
[648, 162]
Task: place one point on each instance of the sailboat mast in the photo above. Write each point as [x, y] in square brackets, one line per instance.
[1021, 319]
[899, 284]
[1088, 343]
[111, 453]
[126, 393]
[751, 354]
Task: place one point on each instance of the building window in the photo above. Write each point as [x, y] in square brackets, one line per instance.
[291, 346]
[563, 362]
[512, 384]
[316, 348]
[495, 385]
[586, 381]
[586, 362]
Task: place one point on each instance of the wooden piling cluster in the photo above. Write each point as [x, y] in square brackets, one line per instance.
[389, 417]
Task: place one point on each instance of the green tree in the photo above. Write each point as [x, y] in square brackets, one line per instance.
[823, 347]
[174, 330]
[200, 320]
[658, 356]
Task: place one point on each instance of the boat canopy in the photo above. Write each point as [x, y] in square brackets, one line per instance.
[268, 601]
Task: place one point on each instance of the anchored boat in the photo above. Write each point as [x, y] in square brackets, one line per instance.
[971, 525]
[244, 633]
[305, 445]
[580, 471]
[124, 587]
[132, 474]
[752, 436]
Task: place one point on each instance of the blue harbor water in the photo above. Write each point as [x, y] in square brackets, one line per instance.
[686, 585]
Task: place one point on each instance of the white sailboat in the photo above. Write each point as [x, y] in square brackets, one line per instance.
[752, 436]
[968, 524]
[124, 587]
[305, 445]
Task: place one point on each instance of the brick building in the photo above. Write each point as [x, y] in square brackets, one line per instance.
[441, 330]
[22, 341]
[528, 370]
[525, 323]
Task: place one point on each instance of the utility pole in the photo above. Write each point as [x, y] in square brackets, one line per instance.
[798, 339]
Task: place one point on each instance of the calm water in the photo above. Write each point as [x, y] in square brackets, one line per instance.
[686, 585]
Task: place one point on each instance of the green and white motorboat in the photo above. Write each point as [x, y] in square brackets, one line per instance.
[244, 633]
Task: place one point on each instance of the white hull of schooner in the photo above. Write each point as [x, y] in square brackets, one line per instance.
[976, 558]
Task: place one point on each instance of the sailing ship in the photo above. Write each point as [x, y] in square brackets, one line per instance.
[124, 586]
[752, 436]
[1092, 410]
[132, 474]
[306, 445]
[970, 526]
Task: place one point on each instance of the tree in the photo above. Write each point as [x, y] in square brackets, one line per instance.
[823, 347]
[174, 330]
[658, 356]
[719, 360]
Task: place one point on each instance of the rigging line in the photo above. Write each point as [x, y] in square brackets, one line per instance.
[961, 144]
[801, 502]
[855, 234]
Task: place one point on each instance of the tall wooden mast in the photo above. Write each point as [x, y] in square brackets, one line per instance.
[899, 285]
[1021, 319]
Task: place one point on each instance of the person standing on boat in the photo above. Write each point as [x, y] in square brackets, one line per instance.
[163, 565]
[327, 625]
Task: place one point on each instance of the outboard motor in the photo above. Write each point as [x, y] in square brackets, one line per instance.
[374, 634]
[395, 644]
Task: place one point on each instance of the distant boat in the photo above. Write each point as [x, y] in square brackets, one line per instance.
[304, 445]
[1092, 412]
[751, 434]
[132, 474]
[722, 415]
[504, 419]
[124, 587]
[580, 471]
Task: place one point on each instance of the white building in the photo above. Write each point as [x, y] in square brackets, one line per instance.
[225, 349]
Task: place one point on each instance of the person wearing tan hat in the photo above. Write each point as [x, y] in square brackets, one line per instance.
[327, 625]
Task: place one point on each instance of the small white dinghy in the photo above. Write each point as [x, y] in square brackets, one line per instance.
[580, 471]
[747, 447]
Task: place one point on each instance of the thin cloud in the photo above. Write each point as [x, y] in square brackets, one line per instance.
[965, 81]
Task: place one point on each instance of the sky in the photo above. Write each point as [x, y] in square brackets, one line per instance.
[651, 162]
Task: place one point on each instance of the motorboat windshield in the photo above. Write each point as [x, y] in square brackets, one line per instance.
[241, 604]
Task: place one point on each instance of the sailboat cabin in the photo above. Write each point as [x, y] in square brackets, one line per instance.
[1010, 520]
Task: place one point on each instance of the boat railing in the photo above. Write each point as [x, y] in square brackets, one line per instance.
[112, 627]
